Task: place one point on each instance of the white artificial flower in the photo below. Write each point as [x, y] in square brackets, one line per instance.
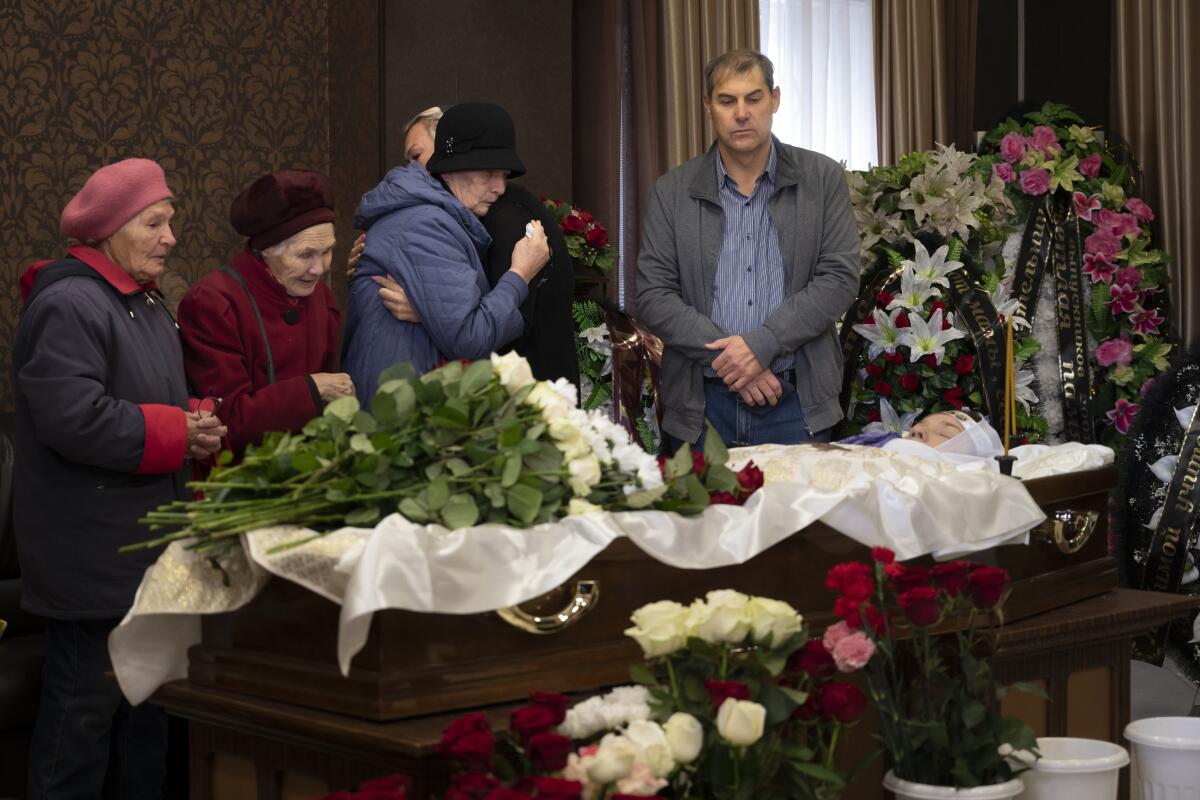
[914, 291]
[889, 420]
[1024, 386]
[740, 722]
[1184, 416]
[773, 618]
[685, 735]
[661, 628]
[927, 338]
[1008, 306]
[884, 336]
[597, 339]
[513, 370]
[951, 158]
[932, 268]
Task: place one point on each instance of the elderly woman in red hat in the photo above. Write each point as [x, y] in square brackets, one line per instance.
[261, 333]
[101, 436]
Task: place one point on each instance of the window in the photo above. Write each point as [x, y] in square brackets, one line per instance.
[823, 53]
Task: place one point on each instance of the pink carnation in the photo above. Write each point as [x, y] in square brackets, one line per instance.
[1139, 209]
[1035, 181]
[1146, 321]
[1012, 147]
[1120, 224]
[1130, 276]
[1123, 298]
[853, 652]
[834, 634]
[640, 782]
[1122, 415]
[1004, 171]
[1103, 242]
[1045, 139]
[1090, 167]
[1084, 205]
[1114, 351]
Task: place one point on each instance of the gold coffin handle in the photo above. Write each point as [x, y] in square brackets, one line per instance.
[1069, 530]
[587, 594]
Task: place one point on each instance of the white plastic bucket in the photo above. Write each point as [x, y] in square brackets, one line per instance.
[1166, 754]
[1075, 769]
[907, 790]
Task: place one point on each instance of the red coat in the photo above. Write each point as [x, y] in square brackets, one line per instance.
[224, 356]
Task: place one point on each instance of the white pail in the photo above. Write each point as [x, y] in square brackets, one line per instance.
[1166, 753]
[907, 790]
[1075, 769]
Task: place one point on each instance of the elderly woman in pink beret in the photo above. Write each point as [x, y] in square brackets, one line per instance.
[103, 433]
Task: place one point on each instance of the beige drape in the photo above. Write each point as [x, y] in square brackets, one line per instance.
[924, 74]
[1156, 108]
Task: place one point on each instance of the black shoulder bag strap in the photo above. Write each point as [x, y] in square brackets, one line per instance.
[258, 316]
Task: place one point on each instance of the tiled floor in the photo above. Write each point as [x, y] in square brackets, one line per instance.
[1158, 692]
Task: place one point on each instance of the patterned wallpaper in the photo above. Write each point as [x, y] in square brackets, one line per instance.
[217, 92]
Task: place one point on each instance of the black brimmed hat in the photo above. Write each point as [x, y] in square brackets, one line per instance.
[475, 136]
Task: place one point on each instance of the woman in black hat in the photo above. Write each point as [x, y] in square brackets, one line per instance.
[424, 231]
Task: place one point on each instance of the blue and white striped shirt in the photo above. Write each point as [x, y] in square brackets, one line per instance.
[748, 285]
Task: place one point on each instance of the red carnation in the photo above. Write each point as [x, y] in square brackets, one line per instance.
[553, 702]
[697, 461]
[951, 577]
[723, 499]
[471, 786]
[850, 579]
[812, 659]
[558, 788]
[921, 605]
[884, 299]
[893, 358]
[902, 319]
[720, 691]
[883, 555]
[842, 701]
[910, 382]
[548, 751]
[528, 721]
[750, 478]
[904, 578]
[937, 305]
[469, 739]
[963, 365]
[874, 370]
[597, 237]
[882, 388]
[573, 223]
[953, 396]
[987, 586]
[931, 361]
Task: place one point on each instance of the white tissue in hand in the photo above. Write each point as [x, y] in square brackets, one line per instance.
[529, 230]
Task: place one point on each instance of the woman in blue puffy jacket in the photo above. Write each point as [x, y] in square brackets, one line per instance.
[423, 229]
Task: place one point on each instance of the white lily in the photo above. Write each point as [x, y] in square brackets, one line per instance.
[1024, 386]
[932, 268]
[884, 336]
[889, 420]
[1008, 306]
[914, 290]
[597, 339]
[927, 338]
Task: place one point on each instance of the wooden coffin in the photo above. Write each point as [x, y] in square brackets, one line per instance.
[282, 646]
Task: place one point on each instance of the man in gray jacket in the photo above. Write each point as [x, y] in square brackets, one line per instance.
[749, 256]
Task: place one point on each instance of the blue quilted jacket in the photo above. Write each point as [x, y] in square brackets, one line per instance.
[418, 233]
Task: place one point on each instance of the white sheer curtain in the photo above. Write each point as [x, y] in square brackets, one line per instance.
[822, 51]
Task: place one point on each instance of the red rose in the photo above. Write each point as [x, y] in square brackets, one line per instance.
[723, 499]
[697, 461]
[528, 721]
[882, 388]
[893, 358]
[573, 223]
[904, 578]
[850, 579]
[937, 305]
[884, 299]
[750, 478]
[963, 365]
[874, 370]
[469, 739]
[585, 216]
[882, 555]
[812, 659]
[910, 382]
[597, 237]
[951, 577]
[557, 788]
[902, 319]
[471, 786]
[954, 397]
[507, 794]
[720, 691]
[921, 605]
[987, 586]
[842, 701]
[931, 361]
[548, 751]
[553, 702]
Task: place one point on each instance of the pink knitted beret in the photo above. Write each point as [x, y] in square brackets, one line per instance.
[113, 195]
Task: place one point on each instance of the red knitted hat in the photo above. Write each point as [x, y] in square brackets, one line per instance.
[281, 204]
[113, 195]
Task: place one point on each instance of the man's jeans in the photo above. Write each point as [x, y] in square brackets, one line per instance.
[88, 742]
[740, 425]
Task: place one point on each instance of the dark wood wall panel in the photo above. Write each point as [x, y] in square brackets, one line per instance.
[515, 53]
